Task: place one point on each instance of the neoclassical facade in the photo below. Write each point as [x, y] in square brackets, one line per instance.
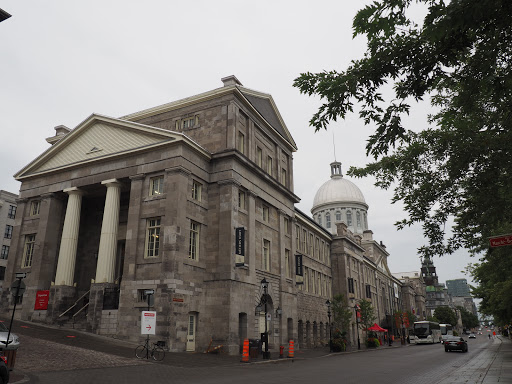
[192, 201]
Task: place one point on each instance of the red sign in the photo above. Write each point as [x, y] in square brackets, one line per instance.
[500, 241]
[42, 300]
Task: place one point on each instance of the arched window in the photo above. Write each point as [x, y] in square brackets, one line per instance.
[338, 216]
[358, 218]
[328, 220]
[349, 218]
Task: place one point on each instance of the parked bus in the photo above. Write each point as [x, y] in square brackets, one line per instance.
[446, 331]
[426, 332]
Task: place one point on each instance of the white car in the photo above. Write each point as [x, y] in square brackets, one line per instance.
[472, 336]
[14, 340]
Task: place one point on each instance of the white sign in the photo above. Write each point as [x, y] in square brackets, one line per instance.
[148, 323]
[269, 317]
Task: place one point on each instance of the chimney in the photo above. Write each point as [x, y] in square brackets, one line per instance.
[230, 81]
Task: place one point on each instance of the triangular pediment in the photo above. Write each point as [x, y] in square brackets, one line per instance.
[95, 139]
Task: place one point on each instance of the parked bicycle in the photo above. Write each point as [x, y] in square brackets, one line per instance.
[145, 351]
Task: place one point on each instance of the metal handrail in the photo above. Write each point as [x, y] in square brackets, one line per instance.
[80, 310]
[74, 305]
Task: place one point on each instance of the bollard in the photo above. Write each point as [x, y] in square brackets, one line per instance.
[245, 351]
[290, 349]
[281, 351]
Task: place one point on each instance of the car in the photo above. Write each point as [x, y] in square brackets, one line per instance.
[455, 343]
[4, 371]
[472, 336]
[14, 340]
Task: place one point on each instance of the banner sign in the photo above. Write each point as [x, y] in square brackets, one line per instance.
[42, 300]
[239, 246]
[299, 270]
[148, 323]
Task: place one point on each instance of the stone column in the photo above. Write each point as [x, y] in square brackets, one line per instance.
[108, 238]
[68, 245]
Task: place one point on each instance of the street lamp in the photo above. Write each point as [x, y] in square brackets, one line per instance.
[20, 288]
[264, 285]
[357, 328]
[328, 303]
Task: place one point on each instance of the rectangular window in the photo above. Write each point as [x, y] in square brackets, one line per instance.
[287, 262]
[259, 157]
[11, 214]
[306, 279]
[197, 189]
[304, 240]
[368, 291]
[188, 122]
[269, 165]
[141, 296]
[317, 248]
[266, 214]
[28, 251]
[283, 177]
[152, 237]
[5, 252]
[241, 143]
[35, 206]
[286, 226]
[156, 186]
[350, 285]
[311, 244]
[8, 232]
[266, 255]
[297, 236]
[193, 247]
[241, 200]
[2, 273]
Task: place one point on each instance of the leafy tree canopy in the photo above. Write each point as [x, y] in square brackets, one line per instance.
[445, 315]
[367, 313]
[341, 314]
[460, 165]
[469, 320]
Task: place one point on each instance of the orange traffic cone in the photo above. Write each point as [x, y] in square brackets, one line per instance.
[290, 349]
[245, 351]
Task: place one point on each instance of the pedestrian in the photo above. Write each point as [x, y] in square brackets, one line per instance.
[489, 336]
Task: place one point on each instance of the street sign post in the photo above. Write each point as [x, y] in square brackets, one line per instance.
[500, 241]
[148, 323]
[18, 288]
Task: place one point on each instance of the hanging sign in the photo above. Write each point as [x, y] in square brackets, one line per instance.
[500, 241]
[148, 323]
[239, 246]
[299, 270]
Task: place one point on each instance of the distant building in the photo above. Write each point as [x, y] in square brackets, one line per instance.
[436, 292]
[7, 215]
[413, 293]
[458, 287]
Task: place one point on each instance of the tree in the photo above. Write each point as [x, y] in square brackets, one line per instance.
[341, 314]
[367, 314]
[458, 169]
[460, 166]
[469, 320]
[446, 315]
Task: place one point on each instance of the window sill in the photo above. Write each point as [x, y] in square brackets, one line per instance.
[155, 197]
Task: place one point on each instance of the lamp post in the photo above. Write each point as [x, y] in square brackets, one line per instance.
[264, 285]
[357, 328]
[149, 293]
[328, 303]
[20, 288]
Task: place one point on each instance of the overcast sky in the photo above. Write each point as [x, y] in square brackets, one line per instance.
[63, 60]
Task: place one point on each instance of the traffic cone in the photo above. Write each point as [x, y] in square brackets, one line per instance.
[245, 351]
[290, 349]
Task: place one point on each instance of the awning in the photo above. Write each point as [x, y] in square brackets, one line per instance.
[377, 328]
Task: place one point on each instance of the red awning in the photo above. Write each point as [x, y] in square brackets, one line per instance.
[376, 328]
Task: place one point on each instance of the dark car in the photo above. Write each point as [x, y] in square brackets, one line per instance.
[4, 371]
[455, 343]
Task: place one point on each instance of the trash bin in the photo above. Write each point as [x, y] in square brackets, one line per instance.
[254, 348]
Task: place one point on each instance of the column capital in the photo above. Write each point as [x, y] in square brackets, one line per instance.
[74, 191]
[111, 183]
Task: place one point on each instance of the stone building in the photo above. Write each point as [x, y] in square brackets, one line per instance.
[8, 208]
[413, 293]
[193, 201]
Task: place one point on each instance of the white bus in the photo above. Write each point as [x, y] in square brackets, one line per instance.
[446, 330]
[426, 332]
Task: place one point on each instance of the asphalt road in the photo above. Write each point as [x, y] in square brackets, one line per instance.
[50, 355]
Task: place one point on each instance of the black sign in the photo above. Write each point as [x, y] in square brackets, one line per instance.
[240, 241]
[298, 265]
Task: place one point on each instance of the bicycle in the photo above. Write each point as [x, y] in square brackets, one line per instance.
[156, 352]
